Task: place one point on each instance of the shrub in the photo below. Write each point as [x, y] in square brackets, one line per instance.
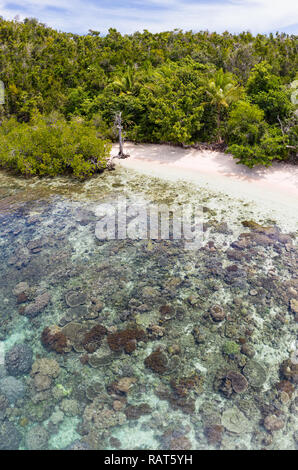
[272, 146]
[51, 146]
[252, 141]
[265, 90]
[246, 124]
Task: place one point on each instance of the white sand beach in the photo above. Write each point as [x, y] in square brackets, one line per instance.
[275, 189]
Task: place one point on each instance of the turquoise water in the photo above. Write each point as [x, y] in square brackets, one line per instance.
[142, 344]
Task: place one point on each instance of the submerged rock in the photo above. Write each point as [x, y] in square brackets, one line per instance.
[70, 407]
[289, 370]
[239, 382]
[37, 438]
[21, 288]
[273, 423]
[10, 437]
[157, 361]
[213, 433]
[255, 373]
[13, 389]
[36, 307]
[43, 372]
[294, 307]
[217, 313]
[78, 445]
[74, 298]
[53, 339]
[235, 421]
[19, 359]
[101, 358]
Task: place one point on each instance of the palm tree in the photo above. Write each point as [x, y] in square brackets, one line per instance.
[128, 83]
[223, 91]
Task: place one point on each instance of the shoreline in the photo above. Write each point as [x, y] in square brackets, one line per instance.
[275, 189]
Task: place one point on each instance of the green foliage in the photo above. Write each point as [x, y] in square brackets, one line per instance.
[265, 89]
[222, 90]
[172, 100]
[75, 101]
[276, 104]
[175, 87]
[252, 141]
[246, 124]
[51, 146]
[271, 146]
[262, 79]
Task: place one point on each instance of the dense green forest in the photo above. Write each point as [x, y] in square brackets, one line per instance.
[62, 91]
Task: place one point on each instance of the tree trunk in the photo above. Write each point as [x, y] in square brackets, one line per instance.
[118, 123]
[120, 142]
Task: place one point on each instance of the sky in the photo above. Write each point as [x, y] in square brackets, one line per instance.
[128, 16]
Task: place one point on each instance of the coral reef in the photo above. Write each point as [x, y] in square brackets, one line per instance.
[35, 308]
[53, 339]
[92, 338]
[213, 433]
[13, 389]
[255, 373]
[273, 423]
[289, 370]
[37, 438]
[135, 411]
[126, 340]
[217, 313]
[19, 359]
[10, 437]
[43, 372]
[157, 362]
[74, 299]
[233, 381]
[286, 386]
[189, 349]
[235, 421]
[123, 385]
[231, 348]
[183, 385]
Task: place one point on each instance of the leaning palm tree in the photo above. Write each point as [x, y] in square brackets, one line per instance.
[223, 91]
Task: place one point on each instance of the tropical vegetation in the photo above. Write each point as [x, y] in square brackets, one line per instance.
[62, 92]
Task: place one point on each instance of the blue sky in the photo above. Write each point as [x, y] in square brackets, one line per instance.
[127, 16]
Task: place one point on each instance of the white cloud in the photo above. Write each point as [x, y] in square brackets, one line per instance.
[257, 16]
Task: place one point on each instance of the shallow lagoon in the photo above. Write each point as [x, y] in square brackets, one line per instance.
[140, 344]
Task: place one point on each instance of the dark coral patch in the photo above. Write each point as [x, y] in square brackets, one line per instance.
[135, 411]
[126, 340]
[53, 339]
[157, 361]
[93, 338]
